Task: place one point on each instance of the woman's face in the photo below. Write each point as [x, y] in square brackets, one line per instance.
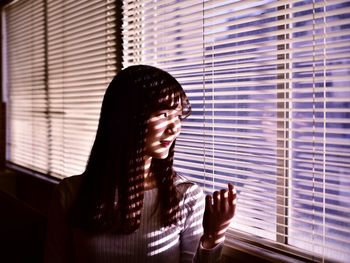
[163, 128]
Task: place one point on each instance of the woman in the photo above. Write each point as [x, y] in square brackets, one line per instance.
[130, 205]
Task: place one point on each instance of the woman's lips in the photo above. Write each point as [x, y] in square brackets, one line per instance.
[165, 143]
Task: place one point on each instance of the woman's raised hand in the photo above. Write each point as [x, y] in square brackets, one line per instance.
[219, 211]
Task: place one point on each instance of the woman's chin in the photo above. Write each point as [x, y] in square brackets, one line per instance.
[160, 155]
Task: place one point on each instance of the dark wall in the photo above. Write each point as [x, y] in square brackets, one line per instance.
[24, 202]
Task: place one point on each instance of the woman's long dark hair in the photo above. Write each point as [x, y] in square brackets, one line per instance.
[112, 187]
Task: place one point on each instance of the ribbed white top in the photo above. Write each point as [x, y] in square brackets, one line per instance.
[150, 243]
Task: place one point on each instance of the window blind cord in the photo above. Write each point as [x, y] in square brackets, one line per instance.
[64, 70]
[31, 91]
[204, 98]
[213, 108]
[324, 126]
[313, 125]
[161, 30]
[47, 95]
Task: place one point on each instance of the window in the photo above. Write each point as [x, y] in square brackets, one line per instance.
[27, 125]
[54, 56]
[269, 84]
[268, 81]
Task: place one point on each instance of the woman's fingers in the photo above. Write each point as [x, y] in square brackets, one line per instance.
[219, 211]
[216, 197]
[232, 198]
[231, 194]
[209, 204]
[223, 200]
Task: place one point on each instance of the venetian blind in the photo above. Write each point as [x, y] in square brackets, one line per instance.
[81, 63]
[61, 57]
[269, 85]
[27, 126]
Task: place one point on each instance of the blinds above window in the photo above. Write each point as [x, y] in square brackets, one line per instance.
[269, 86]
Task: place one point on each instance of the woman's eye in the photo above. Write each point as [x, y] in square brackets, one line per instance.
[167, 114]
[163, 115]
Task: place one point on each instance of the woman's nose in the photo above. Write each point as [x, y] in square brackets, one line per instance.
[173, 126]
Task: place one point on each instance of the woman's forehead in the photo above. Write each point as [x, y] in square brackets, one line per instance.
[178, 108]
[171, 101]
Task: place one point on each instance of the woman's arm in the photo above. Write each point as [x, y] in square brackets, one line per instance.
[192, 249]
[193, 207]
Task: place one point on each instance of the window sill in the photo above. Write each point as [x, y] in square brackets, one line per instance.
[244, 248]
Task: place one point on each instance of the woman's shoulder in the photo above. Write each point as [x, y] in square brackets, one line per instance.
[67, 190]
[187, 187]
[71, 183]
[181, 179]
